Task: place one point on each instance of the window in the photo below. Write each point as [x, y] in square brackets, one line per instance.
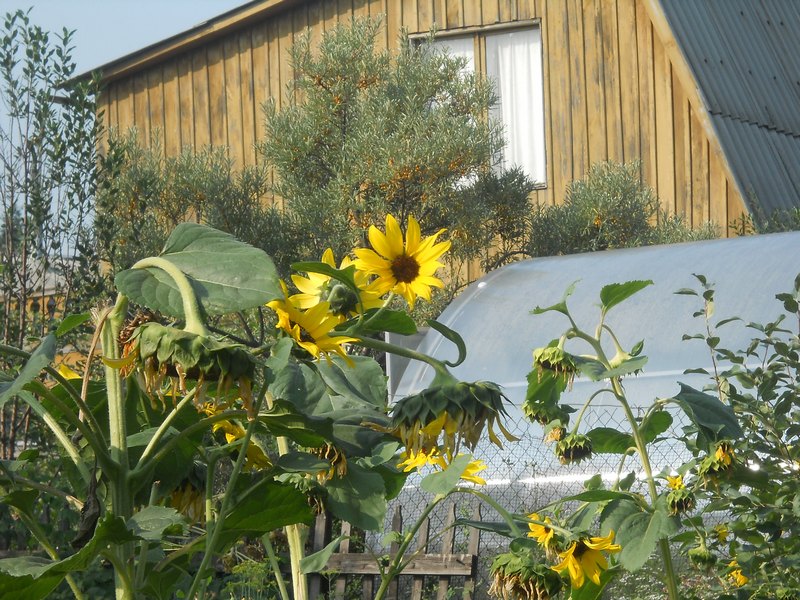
[512, 58]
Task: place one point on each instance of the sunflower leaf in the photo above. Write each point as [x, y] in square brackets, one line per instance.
[227, 275]
[41, 357]
[614, 293]
[559, 306]
[346, 276]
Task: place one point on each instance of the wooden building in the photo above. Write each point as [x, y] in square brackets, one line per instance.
[659, 81]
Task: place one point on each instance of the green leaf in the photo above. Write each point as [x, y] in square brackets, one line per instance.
[358, 497]
[309, 431]
[302, 462]
[454, 337]
[28, 577]
[346, 276]
[316, 563]
[591, 591]
[393, 321]
[655, 424]
[444, 482]
[593, 496]
[559, 306]
[716, 419]
[639, 533]
[606, 440]
[227, 275]
[614, 293]
[71, 322]
[264, 507]
[596, 371]
[41, 357]
[361, 386]
[152, 523]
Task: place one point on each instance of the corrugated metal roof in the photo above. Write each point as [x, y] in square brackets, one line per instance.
[744, 55]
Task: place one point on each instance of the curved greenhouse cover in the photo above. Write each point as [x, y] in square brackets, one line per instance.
[494, 317]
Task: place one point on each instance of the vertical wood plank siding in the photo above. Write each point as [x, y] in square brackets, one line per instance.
[610, 91]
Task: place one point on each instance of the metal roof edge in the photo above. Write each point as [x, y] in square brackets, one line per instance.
[688, 79]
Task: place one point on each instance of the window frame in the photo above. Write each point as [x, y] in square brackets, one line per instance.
[479, 33]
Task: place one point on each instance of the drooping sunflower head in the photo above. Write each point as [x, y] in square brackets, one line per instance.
[573, 448]
[542, 532]
[519, 576]
[553, 359]
[702, 557]
[342, 300]
[717, 464]
[448, 415]
[552, 373]
[680, 500]
[337, 459]
[311, 329]
[166, 354]
[404, 266]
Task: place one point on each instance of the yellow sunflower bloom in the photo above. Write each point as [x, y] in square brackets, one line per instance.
[585, 559]
[311, 329]
[406, 268]
[255, 458]
[343, 302]
[736, 576]
[541, 533]
[724, 454]
[675, 483]
[417, 460]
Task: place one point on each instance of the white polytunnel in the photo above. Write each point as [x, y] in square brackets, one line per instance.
[493, 315]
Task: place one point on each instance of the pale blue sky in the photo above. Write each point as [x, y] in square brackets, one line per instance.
[109, 29]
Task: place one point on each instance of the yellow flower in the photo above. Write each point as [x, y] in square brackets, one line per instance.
[311, 329]
[721, 532]
[585, 558]
[676, 482]
[189, 501]
[343, 302]
[724, 454]
[541, 533]
[255, 458]
[417, 460]
[736, 576]
[404, 268]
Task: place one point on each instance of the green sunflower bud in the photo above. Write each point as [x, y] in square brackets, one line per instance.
[342, 300]
[574, 448]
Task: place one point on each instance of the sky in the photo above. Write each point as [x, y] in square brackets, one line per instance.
[109, 29]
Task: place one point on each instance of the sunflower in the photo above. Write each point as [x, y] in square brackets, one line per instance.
[541, 533]
[736, 576]
[342, 300]
[406, 268]
[311, 329]
[255, 458]
[417, 460]
[585, 558]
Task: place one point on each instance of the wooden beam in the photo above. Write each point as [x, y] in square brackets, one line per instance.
[443, 565]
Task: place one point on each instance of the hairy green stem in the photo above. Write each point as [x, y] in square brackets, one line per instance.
[641, 447]
[191, 307]
[216, 526]
[382, 346]
[294, 536]
[121, 496]
[396, 565]
[164, 427]
[48, 547]
[276, 568]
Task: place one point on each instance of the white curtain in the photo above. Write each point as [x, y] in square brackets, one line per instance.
[514, 62]
[462, 47]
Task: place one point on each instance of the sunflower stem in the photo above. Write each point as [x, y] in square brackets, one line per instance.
[191, 307]
[374, 344]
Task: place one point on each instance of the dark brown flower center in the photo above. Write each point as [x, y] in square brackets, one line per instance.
[405, 268]
[580, 548]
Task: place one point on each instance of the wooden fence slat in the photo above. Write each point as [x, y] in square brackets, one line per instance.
[441, 566]
[448, 539]
[422, 548]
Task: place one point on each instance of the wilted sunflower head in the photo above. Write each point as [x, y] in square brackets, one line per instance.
[455, 411]
[680, 500]
[702, 557]
[553, 359]
[717, 463]
[519, 576]
[337, 459]
[168, 353]
[573, 448]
